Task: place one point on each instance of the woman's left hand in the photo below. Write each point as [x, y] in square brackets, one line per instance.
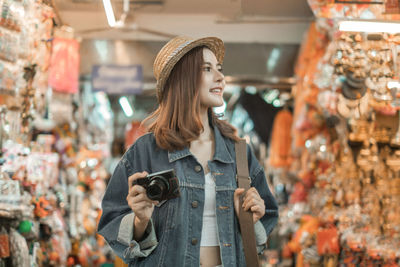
[251, 201]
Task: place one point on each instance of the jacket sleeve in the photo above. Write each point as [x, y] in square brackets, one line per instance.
[116, 224]
[261, 236]
[258, 180]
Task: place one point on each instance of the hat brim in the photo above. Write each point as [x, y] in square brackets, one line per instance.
[215, 44]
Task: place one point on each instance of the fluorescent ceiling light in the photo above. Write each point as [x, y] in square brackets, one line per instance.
[109, 13]
[273, 59]
[126, 107]
[369, 26]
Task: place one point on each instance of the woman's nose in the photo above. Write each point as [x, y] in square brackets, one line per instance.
[219, 76]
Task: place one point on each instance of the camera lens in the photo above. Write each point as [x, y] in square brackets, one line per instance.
[157, 187]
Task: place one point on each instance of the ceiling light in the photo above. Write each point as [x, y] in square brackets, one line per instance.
[369, 26]
[109, 13]
[273, 59]
[126, 107]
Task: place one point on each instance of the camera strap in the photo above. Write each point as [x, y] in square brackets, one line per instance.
[245, 217]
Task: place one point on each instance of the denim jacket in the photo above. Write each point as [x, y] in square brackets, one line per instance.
[173, 235]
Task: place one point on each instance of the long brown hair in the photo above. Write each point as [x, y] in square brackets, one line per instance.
[176, 122]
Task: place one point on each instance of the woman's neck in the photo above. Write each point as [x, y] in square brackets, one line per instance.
[203, 147]
[207, 133]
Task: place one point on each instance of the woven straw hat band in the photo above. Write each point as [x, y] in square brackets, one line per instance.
[175, 49]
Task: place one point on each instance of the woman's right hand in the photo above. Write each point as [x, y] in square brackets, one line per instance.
[140, 204]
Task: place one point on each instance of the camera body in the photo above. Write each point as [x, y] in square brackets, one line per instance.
[160, 186]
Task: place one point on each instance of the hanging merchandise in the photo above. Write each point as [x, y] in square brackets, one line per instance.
[95, 118]
[27, 93]
[306, 112]
[19, 250]
[281, 139]
[85, 209]
[345, 169]
[361, 9]
[60, 108]
[51, 181]
[64, 65]
[10, 199]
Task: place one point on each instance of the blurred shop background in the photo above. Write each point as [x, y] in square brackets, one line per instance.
[313, 86]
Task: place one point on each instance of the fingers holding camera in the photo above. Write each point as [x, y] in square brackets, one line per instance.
[137, 198]
[140, 204]
[134, 177]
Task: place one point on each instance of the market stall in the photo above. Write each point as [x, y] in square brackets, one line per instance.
[342, 187]
[52, 174]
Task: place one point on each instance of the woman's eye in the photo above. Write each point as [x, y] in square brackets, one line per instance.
[207, 68]
[221, 70]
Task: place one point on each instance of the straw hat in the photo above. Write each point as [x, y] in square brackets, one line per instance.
[175, 49]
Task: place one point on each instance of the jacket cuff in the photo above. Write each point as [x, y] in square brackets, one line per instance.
[142, 248]
[261, 236]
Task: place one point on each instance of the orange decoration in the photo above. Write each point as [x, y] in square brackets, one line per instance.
[281, 139]
[42, 207]
[328, 241]
[54, 257]
[286, 252]
[311, 52]
[309, 225]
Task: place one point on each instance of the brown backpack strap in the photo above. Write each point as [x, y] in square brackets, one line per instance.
[245, 217]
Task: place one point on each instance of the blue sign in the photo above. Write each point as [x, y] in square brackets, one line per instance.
[117, 79]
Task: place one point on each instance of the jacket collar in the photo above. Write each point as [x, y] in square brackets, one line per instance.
[221, 150]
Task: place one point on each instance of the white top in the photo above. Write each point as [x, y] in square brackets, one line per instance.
[209, 232]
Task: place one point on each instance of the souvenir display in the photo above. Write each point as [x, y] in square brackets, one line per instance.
[340, 208]
[344, 9]
[51, 180]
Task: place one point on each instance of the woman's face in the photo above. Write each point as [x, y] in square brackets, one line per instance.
[212, 82]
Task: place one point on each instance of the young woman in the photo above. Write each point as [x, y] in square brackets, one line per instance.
[200, 227]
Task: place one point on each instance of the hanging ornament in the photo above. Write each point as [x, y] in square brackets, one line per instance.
[25, 226]
[28, 93]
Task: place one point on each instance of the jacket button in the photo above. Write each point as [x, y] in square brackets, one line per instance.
[194, 241]
[195, 204]
[197, 168]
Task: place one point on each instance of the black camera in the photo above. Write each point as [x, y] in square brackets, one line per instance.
[160, 186]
